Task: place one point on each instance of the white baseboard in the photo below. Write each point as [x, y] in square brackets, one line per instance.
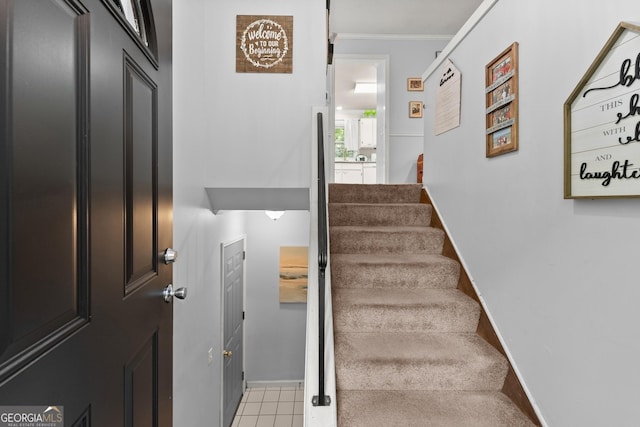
[268, 384]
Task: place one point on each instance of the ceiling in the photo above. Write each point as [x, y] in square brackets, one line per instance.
[438, 19]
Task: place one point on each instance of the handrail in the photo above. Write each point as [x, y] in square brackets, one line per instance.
[321, 399]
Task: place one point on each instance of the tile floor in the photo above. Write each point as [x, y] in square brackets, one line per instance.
[270, 407]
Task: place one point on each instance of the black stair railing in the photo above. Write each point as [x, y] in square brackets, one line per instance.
[321, 399]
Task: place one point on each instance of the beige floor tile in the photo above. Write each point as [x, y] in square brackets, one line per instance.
[266, 421]
[298, 421]
[285, 408]
[248, 421]
[269, 408]
[298, 408]
[251, 408]
[287, 395]
[271, 396]
[299, 396]
[256, 395]
[283, 421]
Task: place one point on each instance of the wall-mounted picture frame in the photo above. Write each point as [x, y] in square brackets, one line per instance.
[602, 125]
[501, 99]
[415, 109]
[415, 84]
[294, 274]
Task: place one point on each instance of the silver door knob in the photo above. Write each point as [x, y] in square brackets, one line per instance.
[170, 256]
[169, 293]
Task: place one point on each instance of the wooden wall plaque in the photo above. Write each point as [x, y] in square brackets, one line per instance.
[264, 44]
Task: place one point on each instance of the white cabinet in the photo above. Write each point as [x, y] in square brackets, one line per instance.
[355, 173]
[369, 173]
[368, 132]
[348, 173]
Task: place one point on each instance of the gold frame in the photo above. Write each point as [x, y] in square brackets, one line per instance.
[415, 84]
[415, 109]
[501, 102]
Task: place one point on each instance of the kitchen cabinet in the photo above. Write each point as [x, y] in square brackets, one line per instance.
[348, 173]
[368, 130]
[369, 173]
[355, 173]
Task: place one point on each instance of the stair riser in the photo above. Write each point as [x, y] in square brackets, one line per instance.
[377, 193]
[379, 215]
[418, 375]
[425, 241]
[410, 276]
[444, 318]
[428, 408]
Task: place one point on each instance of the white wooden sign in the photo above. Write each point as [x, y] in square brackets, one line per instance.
[448, 99]
[602, 122]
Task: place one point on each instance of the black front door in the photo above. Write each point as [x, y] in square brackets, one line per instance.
[85, 209]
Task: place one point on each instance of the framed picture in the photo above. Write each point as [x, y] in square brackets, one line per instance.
[415, 84]
[502, 102]
[294, 273]
[415, 109]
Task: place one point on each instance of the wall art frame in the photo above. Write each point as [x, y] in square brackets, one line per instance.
[415, 109]
[501, 102]
[415, 84]
[602, 122]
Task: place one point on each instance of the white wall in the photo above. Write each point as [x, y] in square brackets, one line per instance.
[259, 125]
[559, 277]
[407, 58]
[230, 130]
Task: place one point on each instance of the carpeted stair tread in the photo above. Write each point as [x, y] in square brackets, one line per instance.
[379, 408]
[417, 361]
[354, 239]
[374, 193]
[397, 271]
[415, 214]
[418, 310]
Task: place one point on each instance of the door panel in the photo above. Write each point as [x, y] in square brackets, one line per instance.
[44, 202]
[232, 377]
[140, 175]
[85, 212]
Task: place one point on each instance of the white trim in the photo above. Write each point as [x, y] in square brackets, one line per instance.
[297, 384]
[399, 37]
[477, 16]
[223, 245]
[406, 135]
[490, 317]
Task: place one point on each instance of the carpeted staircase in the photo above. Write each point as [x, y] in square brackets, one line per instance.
[406, 349]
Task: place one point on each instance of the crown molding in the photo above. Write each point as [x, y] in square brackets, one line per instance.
[399, 37]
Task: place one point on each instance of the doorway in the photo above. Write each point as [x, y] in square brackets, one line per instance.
[359, 84]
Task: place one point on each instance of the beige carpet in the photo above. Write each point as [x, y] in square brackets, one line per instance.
[406, 349]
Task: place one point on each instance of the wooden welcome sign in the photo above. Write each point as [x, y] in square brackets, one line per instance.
[264, 44]
[602, 122]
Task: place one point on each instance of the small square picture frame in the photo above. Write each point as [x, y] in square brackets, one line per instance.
[415, 84]
[415, 109]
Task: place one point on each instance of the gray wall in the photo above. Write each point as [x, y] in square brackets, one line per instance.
[234, 130]
[275, 333]
[559, 277]
[407, 58]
